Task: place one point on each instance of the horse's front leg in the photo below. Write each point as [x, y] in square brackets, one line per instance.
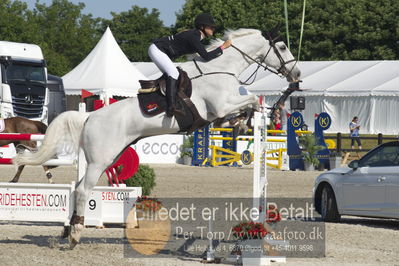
[83, 190]
[17, 174]
[235, 103]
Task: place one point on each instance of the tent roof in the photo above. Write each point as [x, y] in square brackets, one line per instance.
[105, 70]
[335, 78]
[332, 78]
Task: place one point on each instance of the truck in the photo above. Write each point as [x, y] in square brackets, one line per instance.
[23, 88]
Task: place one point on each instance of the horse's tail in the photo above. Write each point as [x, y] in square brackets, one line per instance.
[65, 128]
[41, 127]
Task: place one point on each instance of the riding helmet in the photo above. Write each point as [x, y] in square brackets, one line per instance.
[204, 19]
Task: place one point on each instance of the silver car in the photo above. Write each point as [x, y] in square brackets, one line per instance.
[367, 187]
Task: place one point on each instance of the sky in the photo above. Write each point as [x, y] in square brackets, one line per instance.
[103, 8]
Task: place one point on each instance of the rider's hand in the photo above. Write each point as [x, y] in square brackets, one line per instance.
[226, 44]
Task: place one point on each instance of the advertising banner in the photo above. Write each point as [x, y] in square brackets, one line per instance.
[36, 202]
[159, 149]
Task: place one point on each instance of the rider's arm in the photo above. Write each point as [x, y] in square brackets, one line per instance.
[199, 47]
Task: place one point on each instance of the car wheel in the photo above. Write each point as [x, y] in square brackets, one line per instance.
[328, 205]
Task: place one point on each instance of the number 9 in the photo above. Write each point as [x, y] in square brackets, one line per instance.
[92, 204]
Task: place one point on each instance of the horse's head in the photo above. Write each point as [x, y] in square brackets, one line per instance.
[279, 57]
[269, 52]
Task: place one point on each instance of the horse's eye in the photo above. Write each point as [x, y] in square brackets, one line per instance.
[283, 47]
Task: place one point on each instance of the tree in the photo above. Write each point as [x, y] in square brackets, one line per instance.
[64, 34]
[351, 30]
[333, 30]
[67, 35]
[14, 16]
[231, 14]
[135, 29]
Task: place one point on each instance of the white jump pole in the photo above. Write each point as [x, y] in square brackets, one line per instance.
[260, 175]
[259, 170]
[210, 254]
[82, 164]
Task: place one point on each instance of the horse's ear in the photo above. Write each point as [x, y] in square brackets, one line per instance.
[266, 34]
[274, 33]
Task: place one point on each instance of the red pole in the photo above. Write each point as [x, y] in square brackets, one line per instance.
[19, 136]
[5, 161]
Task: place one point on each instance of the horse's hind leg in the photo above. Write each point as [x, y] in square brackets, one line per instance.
[17, 174]
[48, 174]
[83, 190]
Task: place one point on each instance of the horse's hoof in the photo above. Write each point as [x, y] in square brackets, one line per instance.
[75, 234]
[72, 243]
[13, 181]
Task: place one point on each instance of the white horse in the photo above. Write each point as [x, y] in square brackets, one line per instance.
[105, 133]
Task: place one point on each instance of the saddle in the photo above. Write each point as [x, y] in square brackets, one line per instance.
[153, 101]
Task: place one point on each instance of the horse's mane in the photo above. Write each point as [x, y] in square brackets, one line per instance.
[229, 34]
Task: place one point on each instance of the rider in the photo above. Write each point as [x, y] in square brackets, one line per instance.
[162, 51]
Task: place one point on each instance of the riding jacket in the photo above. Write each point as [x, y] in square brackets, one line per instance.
[186, 42]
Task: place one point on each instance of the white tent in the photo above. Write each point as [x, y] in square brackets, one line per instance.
[105, 71]
[343, 89]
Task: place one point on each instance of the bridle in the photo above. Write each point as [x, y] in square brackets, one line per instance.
[281, 71]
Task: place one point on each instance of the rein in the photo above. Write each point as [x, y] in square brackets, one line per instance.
[210, 73]
[282, 70]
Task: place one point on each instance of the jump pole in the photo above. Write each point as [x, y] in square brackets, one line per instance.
[260, 179]
[259, 192]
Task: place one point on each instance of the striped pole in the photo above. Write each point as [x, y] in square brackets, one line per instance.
[16, 136]
[52, 162]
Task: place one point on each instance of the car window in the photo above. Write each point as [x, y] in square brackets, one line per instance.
[385, 156]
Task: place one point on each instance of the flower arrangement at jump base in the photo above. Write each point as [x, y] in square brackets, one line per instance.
[256, 230]
[249, 230]
[272, 214]
[249, 237]
[147, 204]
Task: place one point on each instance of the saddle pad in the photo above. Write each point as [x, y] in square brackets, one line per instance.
[152, 103]
[2, 125]
[155, 103]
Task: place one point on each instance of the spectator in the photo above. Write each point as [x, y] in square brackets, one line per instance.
[283, 116]
[354, 127]
[277, 122]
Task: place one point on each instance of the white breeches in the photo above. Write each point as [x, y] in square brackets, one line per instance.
[162, 61]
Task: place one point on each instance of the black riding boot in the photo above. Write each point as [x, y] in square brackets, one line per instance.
[171, 91]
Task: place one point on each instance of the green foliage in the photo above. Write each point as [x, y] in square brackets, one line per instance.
[145, 178]
[333, 30]
[310, 147]
[231, 14]
[67, 35]
[15, 22]
[351, 30]
[187, 148]
[135, 29]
